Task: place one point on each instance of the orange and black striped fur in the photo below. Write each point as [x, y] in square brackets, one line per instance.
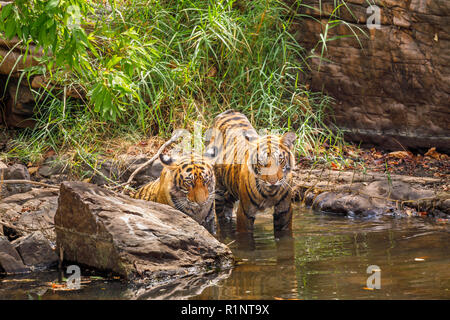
[186, 184]
[256, 170]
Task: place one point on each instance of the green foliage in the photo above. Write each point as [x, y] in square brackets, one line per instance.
[152, 65]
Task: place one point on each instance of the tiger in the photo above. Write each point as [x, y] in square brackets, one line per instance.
[256, 170]
[186, 184]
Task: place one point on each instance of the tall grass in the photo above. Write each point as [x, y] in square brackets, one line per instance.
[150, 66]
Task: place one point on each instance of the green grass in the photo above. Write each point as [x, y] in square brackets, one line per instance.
[145, 68]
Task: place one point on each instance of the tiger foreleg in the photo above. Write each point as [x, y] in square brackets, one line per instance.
[282, 216]
[210, 220]
[224, 207]
[244, 218]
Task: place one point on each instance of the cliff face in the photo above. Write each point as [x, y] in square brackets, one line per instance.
[393, 89]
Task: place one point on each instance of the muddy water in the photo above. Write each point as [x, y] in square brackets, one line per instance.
[327, 258]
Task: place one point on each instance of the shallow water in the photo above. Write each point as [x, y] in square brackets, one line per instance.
[326, 258]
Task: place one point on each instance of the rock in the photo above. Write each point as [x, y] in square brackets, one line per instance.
[19, 105]
[52, 166]
[36, 251]
[351, 194]
[109, 169]
[121, 169]
[10, 66]
[182, 288]
[10, 261]
[140, 240]
[392, 90]
[147, 174]
[15, 172]
[30, 211]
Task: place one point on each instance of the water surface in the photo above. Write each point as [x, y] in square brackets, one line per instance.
[327, 258]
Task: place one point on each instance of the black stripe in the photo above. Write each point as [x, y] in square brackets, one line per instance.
[283, 197]
[277, 216]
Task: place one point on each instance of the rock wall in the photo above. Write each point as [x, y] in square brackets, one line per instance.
[394, 90]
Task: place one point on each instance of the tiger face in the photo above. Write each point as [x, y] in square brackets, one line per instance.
[192, 185]
[271, 160]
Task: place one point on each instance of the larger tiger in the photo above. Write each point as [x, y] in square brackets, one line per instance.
[186, 184]
[256, 170]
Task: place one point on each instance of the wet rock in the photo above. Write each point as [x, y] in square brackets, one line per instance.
[350, 194]
[140, 240]
[10, 261]
[14, 172]
[36, 251]
[182, 288]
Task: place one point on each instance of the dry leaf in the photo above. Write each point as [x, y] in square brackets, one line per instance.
[32, 170]
[433, 154]
[212, 72]
[400, 154]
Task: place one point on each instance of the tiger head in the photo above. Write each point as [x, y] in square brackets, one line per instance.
[271, 159]
[192, 182]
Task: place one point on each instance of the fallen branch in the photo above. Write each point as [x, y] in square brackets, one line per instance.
[174, 138]
[24, 230]
[30, 182]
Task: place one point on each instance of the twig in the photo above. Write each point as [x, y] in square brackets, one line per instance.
[8, 225]
[174, 138]
[31, 182]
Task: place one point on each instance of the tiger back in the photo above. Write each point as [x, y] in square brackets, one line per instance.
[186, 184]
[256, 170]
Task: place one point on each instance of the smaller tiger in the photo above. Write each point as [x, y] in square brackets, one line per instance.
[186, 184]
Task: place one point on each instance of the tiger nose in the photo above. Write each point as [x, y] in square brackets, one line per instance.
[272, 179]
[198, 194]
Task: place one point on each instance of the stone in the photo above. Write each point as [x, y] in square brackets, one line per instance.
[30, 211]
[369, 194]
[178, 289]
[10, 65]
[109, 169]
[392, 90]
[140, 240]
[36, 251]
[19, 105]
[10, 261]
[15, 172]
[51, 166]
[122, 168]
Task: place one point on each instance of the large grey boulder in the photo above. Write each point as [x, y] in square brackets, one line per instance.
[140, 240]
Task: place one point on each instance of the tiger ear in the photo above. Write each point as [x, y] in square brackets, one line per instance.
[166, 160]
[288, 139]
[211, 153]
[249, 135]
